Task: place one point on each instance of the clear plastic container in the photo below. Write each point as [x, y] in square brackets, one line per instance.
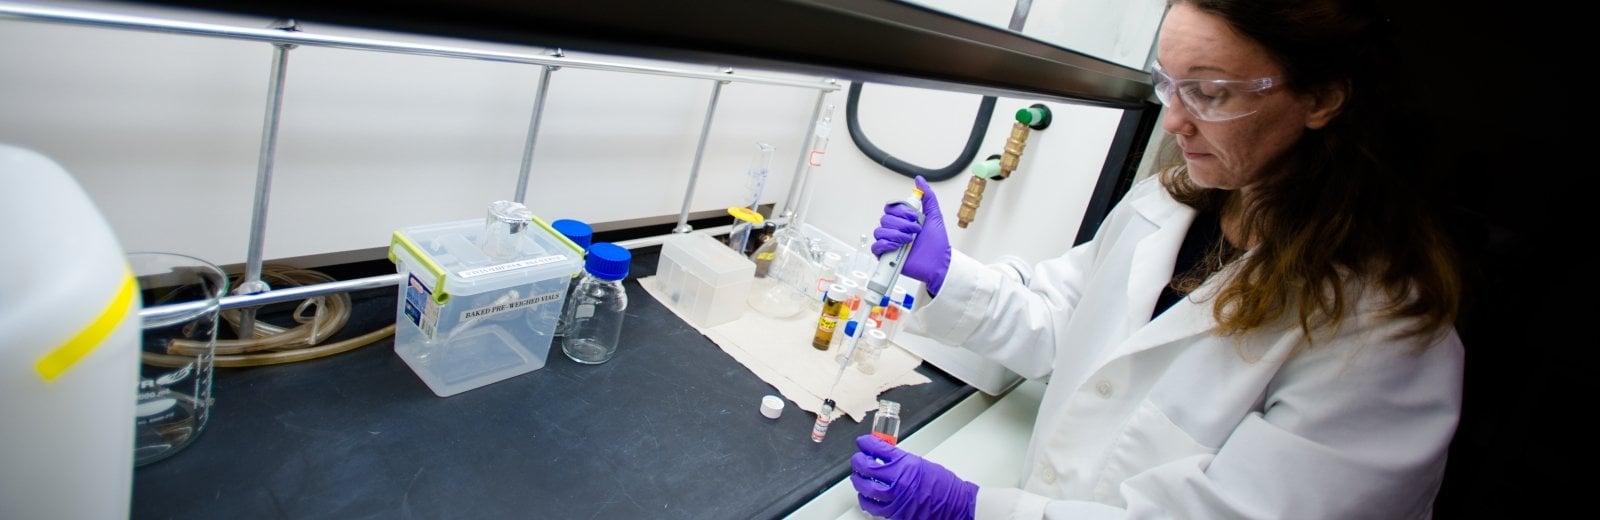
[479, 306]
[599, 303]
[703, 279]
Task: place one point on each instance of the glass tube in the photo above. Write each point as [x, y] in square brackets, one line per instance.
[755, 183]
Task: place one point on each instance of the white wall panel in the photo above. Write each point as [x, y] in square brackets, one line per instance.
[163, 130]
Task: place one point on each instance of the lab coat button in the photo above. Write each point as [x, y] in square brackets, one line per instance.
[1047, 473]
[1103, 388]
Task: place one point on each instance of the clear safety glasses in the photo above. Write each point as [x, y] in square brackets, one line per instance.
[1212, 99]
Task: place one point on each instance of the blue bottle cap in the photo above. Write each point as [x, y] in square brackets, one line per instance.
[608, 261]
[850, 328]
[909, 299]
[883, 302]
[575, 230]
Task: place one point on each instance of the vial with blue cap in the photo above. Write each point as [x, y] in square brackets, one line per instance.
[599, 303]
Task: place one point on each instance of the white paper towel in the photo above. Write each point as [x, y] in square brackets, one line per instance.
[779, 351]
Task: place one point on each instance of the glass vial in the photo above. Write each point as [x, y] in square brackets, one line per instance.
[598, 305]
[581, 234]
[871, 348]
[843, 341]
[852, 298]
[824, 416]
[886, 422]
[827, 274]
[832, 304]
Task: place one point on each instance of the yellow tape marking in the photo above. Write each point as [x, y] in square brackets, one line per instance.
[62, 358]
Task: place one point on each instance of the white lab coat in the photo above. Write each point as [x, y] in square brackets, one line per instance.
[1164, 419]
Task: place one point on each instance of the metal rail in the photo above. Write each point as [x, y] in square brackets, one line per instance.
[300, 292]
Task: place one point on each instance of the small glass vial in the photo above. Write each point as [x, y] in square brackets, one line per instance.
[827, 274]
[843, 341]
[871, 348]
[598, 305]
[824, 416]
[832, 304]
[886, 422]
[581, 234]
[852, 298]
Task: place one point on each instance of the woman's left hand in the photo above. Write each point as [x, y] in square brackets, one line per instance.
[893, 483]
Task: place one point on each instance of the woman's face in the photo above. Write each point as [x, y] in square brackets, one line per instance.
[1231, 154]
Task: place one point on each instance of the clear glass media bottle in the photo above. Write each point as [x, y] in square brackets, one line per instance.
[580, 233]
[598, 305]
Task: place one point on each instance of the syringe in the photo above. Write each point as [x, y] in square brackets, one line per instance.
[879, 286]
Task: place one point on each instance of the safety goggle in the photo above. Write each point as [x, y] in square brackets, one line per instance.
[1212, 99]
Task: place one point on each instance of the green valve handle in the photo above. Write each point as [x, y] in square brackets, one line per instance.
[1036, 117]
[987, 169]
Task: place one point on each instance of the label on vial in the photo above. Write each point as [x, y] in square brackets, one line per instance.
[491, 310]
[820, 428]
[421, 310]
[510, 266]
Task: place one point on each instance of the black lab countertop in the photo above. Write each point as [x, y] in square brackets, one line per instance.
[669, 428]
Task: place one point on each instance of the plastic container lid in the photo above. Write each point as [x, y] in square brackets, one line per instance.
[608, 261]
[771, 406]
[850, 328]
[575, 230]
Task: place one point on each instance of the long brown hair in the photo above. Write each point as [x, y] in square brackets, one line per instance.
[1345, 207]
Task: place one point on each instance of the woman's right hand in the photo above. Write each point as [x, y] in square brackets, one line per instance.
[929, 258]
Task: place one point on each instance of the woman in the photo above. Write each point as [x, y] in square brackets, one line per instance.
[1264, 330]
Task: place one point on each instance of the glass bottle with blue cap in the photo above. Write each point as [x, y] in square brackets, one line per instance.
[580, 233]
[598, 305]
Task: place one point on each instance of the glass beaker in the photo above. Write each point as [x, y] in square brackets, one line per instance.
[181, 299]
[773, 290]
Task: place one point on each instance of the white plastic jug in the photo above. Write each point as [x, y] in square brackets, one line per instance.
[69, 344]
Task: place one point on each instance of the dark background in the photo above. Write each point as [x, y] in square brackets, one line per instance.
[1485, 91]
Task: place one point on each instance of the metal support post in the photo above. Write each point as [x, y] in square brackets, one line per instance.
[699, 153]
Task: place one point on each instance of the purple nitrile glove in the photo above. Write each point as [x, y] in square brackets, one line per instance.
[895, 484]
[929, 258]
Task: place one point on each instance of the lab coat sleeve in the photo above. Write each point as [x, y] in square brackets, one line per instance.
[988, 309]
[1359, 429]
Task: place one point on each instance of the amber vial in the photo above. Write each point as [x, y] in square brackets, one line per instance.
[832, 304]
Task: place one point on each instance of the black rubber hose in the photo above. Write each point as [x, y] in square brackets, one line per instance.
[980, 125]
